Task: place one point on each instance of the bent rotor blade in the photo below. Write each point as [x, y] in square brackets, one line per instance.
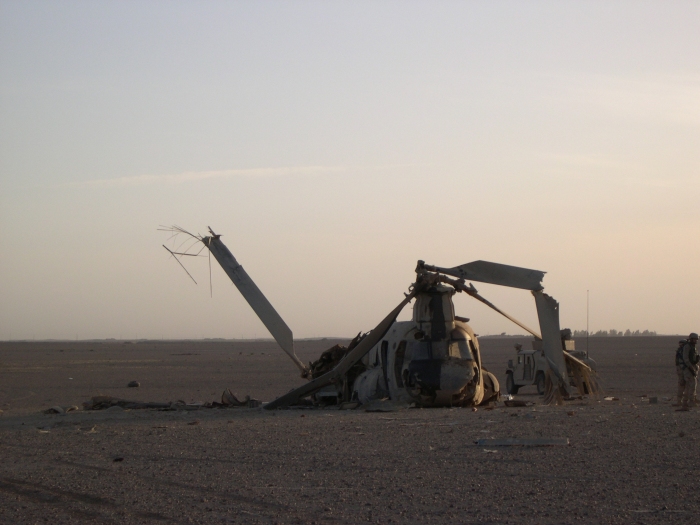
[345, 364]
[488, 303]
[257, 301]
[548, 313]
[495, 273]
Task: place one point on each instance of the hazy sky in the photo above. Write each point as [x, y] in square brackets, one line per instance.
[336, 143]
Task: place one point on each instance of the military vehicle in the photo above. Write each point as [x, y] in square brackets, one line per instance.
[531, 366]
[433, 360]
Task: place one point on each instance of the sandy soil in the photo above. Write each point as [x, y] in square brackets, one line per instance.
[628, 461]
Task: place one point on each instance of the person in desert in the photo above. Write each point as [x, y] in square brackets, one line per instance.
[687, 367]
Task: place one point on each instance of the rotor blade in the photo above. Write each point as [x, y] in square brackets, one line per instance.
[345, 364]
[495, 273]
[488, 303]
[257, 301]
[580, 363]
[548, 313]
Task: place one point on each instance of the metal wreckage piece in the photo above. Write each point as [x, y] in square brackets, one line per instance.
[432, 360]
[228, 400]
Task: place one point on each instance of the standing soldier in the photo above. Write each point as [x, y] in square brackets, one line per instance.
[679, 371]
[687, 366]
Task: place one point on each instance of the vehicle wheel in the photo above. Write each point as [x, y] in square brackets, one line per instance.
[540, 383]
[511, 387]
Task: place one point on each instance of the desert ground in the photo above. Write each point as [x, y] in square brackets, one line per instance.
[628, 460]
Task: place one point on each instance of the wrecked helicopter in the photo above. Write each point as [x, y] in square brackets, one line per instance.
[433, 360]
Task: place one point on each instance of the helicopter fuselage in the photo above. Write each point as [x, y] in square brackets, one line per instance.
[432, 360]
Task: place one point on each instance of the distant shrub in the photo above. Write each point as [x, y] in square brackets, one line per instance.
[613, 333]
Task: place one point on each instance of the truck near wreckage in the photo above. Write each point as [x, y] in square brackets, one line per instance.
[530, 366]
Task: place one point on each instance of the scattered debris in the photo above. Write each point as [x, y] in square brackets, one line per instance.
[61, 410]
[229, 400]
[571, 413]
[385, 405]
[517, 403]
[43, 431]
[330, 358]
[105, 402]
[134, 384]
[195, 422]
[118, 459]
[513, 442]
[610, 398]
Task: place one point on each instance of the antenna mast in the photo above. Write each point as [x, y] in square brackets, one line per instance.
[587, 333]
